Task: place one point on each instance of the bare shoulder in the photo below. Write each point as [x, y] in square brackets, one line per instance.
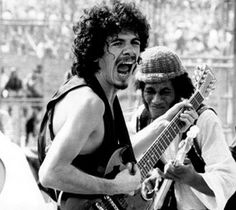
[79, 105]
[84, 97]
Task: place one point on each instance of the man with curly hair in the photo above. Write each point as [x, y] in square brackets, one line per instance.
[86, 124]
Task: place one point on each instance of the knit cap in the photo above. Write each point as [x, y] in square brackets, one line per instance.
[159, 64]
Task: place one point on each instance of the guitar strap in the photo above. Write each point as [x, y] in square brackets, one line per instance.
[47, 123]
[122, 133]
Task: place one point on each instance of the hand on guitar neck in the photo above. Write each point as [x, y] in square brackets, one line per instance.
[158, 184]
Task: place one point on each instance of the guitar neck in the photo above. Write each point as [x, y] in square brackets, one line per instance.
[158, 147]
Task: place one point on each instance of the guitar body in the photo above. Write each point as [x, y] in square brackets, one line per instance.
[135, 202]
[104, 202]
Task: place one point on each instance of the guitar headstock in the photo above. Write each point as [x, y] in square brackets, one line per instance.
[204, 80]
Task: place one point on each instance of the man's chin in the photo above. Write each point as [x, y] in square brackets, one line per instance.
[156, 115]
[121, 86]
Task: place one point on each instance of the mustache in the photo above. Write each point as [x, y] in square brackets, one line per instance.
[130, 58]
[127, 58]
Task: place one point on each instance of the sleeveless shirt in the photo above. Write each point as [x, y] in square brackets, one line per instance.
[115, 130]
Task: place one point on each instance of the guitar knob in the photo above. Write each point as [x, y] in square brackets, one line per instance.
[99, 206]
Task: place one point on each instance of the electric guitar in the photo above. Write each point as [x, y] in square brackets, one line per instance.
[205, 81]
[184, 146]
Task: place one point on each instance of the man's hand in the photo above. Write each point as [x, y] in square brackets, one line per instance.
[150, 184]
[184, 173]
[128, 180]
[188, 115]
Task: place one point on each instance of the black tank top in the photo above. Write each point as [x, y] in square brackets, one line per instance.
[115, 130]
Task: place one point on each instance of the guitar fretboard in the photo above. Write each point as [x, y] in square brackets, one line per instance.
[153, 154]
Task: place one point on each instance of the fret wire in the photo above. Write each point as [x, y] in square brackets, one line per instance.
[155, 158]
[159, 145]
[154, 151]
[158, 152]
[163, 140]
[146, 162]
[179, 124]
[144, 173]
[170, 132]
[147, 165]
[198, 99]
[174, 128]
[157, 149]
[152, 162]
[195, 102]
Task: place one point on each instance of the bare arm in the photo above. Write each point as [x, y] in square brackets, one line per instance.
[144, 138]
[81, 132]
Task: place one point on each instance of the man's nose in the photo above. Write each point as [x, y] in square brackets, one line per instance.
[128, 50]
[156, 98]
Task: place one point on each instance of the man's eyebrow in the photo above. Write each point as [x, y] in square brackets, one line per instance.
[115, 39]
[136, 39]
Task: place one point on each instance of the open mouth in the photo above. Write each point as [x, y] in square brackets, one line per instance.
[125, 67]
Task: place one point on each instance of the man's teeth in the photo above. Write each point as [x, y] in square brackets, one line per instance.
[124, 73]
[128, 62]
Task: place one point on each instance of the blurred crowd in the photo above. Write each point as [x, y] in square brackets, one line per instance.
[12, 85]
[34, 31]
[52, 42]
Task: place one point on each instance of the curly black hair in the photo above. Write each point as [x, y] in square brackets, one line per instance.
[96, 25]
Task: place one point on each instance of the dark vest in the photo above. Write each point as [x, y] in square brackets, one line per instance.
[115, 131]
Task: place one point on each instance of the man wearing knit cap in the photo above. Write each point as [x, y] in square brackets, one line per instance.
[206, 180]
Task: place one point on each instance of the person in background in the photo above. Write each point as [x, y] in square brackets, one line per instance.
[3, 80]
[206, 179]
[34, 83]
[85, 120]
[31, 128]
[14, 86]
[6, 123]
[18, 188]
